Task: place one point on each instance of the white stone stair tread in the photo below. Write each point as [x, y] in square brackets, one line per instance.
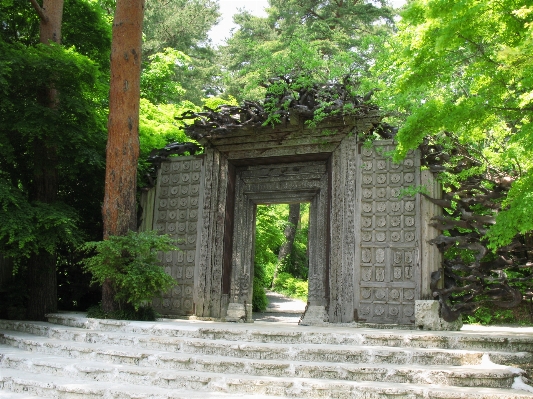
[47, 386]
[288, 351]
[88, 388]
[14, 395]
[291, 371]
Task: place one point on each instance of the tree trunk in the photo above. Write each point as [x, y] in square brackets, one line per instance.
[290, 233]
[42, 275]
[119, 208]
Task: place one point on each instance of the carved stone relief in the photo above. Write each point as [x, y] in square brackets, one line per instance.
[388, 276]
[176, 213]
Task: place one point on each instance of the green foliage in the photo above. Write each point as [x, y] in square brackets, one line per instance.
[315, 41]
[466, 68]
[158, 78]
[290, 286]
[130, 263]
[259, 299]
[144, 313]
[270, 223]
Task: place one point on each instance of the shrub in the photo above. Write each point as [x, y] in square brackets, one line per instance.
[130, 263]
[293, 287]
[259, 299]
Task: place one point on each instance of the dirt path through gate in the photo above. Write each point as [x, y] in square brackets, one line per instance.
[281, 309]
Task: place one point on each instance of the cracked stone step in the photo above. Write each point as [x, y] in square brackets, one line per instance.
[492, 340]
[490, 375]
[302, 352]
[233, 387]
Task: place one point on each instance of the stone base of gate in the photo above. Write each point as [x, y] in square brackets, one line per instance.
[427, 317]
[238, 312]
[314, 316]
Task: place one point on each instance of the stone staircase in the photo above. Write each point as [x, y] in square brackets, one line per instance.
[75, 357]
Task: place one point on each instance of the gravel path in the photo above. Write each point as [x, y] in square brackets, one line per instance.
[281, 309]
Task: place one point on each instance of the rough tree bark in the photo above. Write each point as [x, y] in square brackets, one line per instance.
[119, 208]
[290, 233]
[42, 277]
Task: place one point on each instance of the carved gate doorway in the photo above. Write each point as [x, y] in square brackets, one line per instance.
[276, 184]
[369, 259]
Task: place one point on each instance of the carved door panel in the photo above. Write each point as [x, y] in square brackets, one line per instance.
[176, 213]
[387, 256]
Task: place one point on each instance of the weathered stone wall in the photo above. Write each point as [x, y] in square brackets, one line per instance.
[176, 212]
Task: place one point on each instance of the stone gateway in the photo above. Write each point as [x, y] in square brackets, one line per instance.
[369, 260]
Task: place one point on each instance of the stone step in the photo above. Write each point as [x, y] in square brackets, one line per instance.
[86, 379]
[486, 374]
[53, 386]
[270, 332]
[14, 395]
[275, 351]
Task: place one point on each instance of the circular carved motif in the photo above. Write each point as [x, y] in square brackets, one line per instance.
[395, 236]
[409, 177]
[188, 290]
[395, 221]
[365, 310]
[379, 310]
[367, 152]
[195, 189]
[163, 203]
[381, 206]
[189, 272]
[165, 167]
[366, 222]
[409, 221]
[395, 178]
[367, 193]
[193, 214]
[367, 165]
[172, 215]
[409, 236]
[171, 227]
[408, 257]
[367, 179]
[187, 304]
[380, 255]
[380, 236]
[382, 164]
[381, 222]
[365, 293]
[381, 192]
[366, 255]
[395, 206]
[367, 207]
[380, 294]
[366, 236]
[166, 303]
[395, 192]
[186, 166]
[394, 294]
[408, 163]
[394, 165]
[185, 178]
[175, 179]
[182, 215]
[409, 206]
[194, 201]
[408, 294]
[381, 178]
[182, 227]
[195, 176]
[184, 190]
[408, 311]
[173, 202]
[174, 190]
[175, 166]
[393, 310]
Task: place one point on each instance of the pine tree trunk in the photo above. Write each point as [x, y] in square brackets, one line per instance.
[119, 208]
[42, 274]
[290, 233]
